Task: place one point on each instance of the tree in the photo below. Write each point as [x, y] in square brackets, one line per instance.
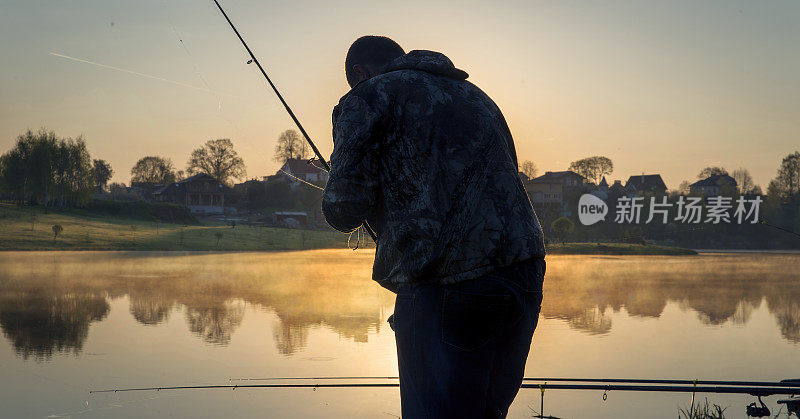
[45, 169]
[593, 168]
[561, 227]
[788, 178]
[153, 170]
[528, 168]
[57, 229]
[683, 188]
[102, 173]
[218, 159]
[290, 146]
[709, 171]
[744, 182]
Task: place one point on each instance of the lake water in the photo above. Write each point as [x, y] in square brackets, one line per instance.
[74, 321]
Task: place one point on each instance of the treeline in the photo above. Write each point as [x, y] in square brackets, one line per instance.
[216, 158]
[47, 170]
[780, 207]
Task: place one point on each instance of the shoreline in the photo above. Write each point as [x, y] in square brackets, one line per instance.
[550, 251]
[621, 249]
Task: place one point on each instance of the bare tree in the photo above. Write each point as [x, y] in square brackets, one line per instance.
[683, 188]
[290, 146]
[528, 168]
[593, 168]
[218, 159]
[744, 182]
[709, 171]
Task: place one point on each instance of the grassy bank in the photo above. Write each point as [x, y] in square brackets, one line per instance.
[82, 231]
[616, 249]
[29, 228]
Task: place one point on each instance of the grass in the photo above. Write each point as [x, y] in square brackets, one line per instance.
[19, 231]
[83, 230]
[702, 411]
[616, 249]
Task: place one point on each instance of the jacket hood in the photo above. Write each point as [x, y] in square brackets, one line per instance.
[427, 61]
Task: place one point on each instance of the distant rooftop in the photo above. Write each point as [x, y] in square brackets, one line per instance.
[557, 177]
[646, 183]
[714, 180]
[303, 166]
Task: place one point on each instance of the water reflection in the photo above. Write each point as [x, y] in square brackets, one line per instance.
[48, 301]
[40, 322]
[719, 288]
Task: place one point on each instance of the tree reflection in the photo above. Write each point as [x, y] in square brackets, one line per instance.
[46, 308]
[150, 310]
[39, 324]
[592, 320]
[215, 324]
[786, 309]
[719, 288]
[289, 336]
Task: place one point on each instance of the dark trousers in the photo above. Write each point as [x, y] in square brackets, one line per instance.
[461, 348]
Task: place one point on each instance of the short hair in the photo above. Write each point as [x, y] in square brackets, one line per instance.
[372, 50]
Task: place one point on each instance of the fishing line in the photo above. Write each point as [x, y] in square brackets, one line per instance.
[253, 59]
[359, 234]
[301, 180]
[781, 228]
[199, 74]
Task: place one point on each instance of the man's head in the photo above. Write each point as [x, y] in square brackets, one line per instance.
[367, 56]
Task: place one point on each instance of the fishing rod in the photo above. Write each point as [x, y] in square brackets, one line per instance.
[253, 59]
[753, 391]
[784, 383]
[781, 228]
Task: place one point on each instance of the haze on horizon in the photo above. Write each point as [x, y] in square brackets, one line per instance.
[659, 87]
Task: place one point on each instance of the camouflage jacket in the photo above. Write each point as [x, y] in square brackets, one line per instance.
[428, 160]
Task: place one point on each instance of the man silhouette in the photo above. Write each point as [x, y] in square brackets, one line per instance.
[426, 159]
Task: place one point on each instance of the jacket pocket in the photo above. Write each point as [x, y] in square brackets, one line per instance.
[470, 321]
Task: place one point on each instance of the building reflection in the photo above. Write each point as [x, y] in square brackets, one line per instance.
[47, 308]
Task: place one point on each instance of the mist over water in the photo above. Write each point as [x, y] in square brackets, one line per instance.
[75, 321]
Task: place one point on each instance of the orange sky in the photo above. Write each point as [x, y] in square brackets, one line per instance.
[664, 87]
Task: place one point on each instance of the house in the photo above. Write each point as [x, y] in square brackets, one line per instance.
[711, 185]
[202, 193]
[144, 189]
[602, 189]
[293, 219]
[549, 188]
[297, 171]
[640, 184]
[617, 188]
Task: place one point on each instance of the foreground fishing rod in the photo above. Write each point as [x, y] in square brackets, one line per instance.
[783, 383]
[253, 59]
[754, 391]
[754, 388]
